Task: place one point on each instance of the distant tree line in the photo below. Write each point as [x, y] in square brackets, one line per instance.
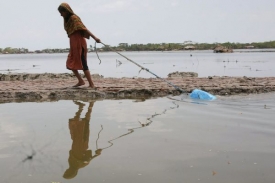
[182, 46]
[14, 50]
[152, 47]
[10, 50]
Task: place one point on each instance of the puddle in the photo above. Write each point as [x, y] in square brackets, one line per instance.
[155, 140]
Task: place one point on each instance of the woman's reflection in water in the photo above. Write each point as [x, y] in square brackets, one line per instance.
[79, 155]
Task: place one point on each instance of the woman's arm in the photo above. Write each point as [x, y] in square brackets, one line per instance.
[93, 36]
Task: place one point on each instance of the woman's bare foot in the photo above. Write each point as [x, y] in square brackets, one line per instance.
[92, 87]
[79, 84]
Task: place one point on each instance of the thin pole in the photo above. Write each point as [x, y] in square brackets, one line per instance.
[143, 68]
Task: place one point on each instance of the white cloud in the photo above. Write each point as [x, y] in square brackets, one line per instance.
[112, 6]
[142, 21]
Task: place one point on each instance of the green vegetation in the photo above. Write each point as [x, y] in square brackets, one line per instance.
[182, 46]
[10, 50]
[153, 47]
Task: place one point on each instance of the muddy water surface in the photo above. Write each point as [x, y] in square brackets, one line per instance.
[156, 140]
[205, 63]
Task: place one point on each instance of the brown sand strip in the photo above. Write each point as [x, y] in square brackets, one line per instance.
[40, 87]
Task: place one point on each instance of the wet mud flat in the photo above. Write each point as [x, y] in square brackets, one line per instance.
[43, 87]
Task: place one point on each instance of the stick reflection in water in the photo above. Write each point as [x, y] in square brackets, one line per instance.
[80, 155]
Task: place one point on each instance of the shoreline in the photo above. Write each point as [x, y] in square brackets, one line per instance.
[52, 87]
[254, 50]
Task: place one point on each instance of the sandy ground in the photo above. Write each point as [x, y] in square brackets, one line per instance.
[39, 87]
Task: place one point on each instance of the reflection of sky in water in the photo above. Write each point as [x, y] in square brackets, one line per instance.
[187, 142]
[205, 63]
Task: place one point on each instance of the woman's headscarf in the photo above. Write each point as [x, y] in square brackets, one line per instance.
[74, 23]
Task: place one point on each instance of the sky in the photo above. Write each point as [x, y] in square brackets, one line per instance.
[36, 24]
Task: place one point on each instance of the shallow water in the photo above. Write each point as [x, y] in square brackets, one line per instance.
[157, 140]
[205, 63]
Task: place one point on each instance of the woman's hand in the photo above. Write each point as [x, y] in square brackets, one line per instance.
[93, 36]
[97, 40]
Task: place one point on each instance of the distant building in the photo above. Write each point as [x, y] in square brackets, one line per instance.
[222, 49]
[38, 51]
[249, 47]
[189, 47]
[123, 44]
[188, 42]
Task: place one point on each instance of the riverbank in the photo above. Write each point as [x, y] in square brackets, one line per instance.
[43, 87]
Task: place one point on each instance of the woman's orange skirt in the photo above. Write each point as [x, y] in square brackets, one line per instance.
[77, 58]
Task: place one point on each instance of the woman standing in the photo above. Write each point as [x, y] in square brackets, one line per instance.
[77, 32]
